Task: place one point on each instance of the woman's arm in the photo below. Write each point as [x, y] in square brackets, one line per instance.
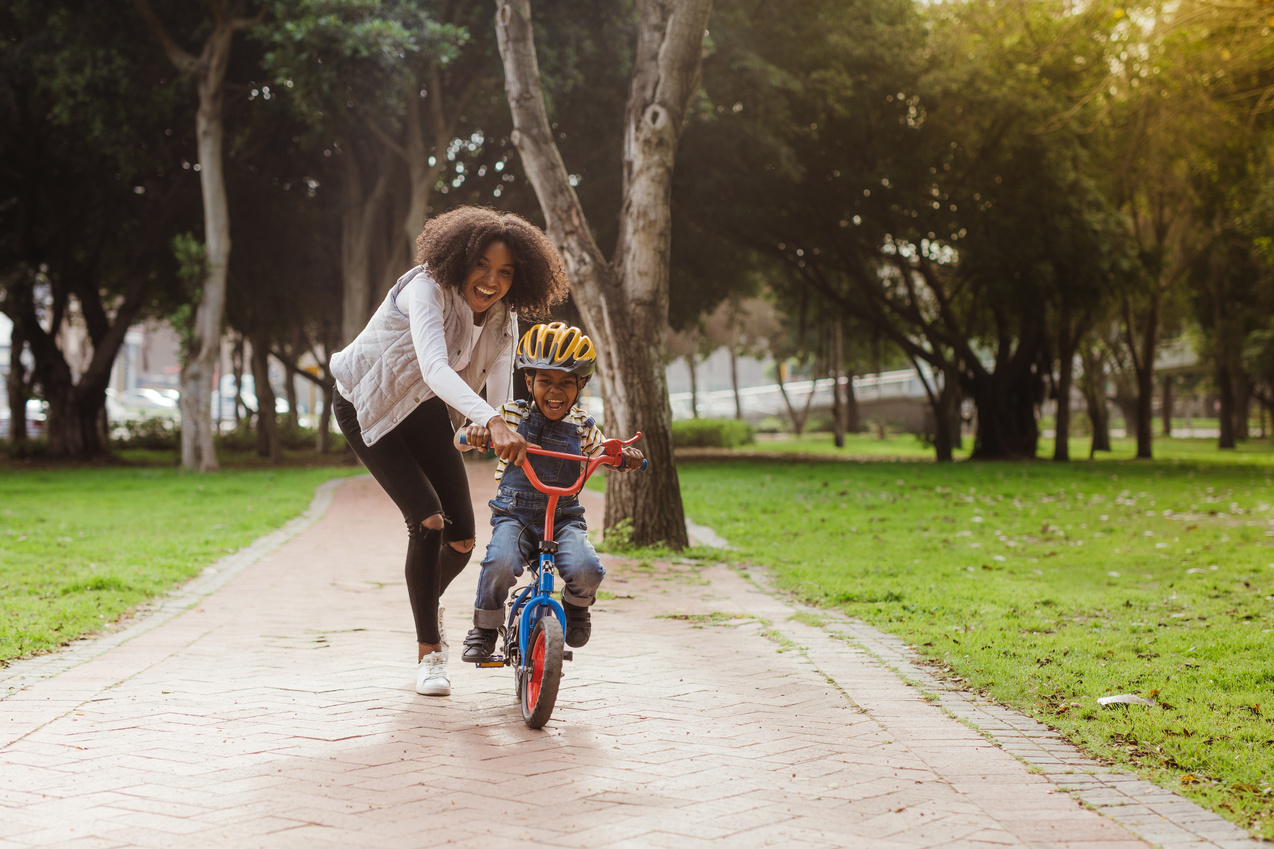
[427, 333]
[425, 308]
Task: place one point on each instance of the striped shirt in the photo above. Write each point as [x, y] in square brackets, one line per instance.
[590, 437]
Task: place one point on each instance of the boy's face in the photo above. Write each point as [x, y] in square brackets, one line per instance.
[554, 391]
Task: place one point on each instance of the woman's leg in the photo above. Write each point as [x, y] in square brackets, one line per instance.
[395, 462]
[446, 472]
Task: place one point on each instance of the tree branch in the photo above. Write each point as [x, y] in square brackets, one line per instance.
[184, 61]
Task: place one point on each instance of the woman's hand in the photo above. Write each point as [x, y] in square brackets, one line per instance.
[506, 442]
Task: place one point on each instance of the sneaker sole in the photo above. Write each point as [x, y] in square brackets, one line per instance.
[434, 690]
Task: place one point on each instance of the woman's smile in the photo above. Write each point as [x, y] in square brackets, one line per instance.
[490, 280]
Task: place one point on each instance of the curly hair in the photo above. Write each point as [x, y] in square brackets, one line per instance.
[452, 243]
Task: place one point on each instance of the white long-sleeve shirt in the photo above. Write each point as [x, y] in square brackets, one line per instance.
[440, 367]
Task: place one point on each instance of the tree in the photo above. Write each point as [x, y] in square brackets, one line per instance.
[208, 70]
[91, 193]
[387, 90]
[624, 302]
[894, 153]
[742, 327]
[1188, 83]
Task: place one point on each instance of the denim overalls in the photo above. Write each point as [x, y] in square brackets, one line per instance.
[517, 522]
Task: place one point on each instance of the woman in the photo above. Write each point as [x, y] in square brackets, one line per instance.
[446, 328]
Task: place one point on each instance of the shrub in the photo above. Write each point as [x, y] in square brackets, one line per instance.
[242, 438]
[712, 433]
[155, 434]
[820, 424]
[774, 424]
[31, 448]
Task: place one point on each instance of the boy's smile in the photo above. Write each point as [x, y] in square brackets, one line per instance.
[554, 391]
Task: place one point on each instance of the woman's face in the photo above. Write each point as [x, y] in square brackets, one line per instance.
[491, 279]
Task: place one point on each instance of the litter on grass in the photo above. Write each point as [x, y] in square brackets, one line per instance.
[1125, 699]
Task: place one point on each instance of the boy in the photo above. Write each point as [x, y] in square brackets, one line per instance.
[558, 361]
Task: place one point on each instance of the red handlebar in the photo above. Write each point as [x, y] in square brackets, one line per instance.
[612, 455]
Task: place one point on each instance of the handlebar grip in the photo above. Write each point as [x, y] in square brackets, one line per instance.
[461, 443]
[644, 464]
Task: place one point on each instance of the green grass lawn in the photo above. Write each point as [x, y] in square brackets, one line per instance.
[79, 547]
[1049, 585]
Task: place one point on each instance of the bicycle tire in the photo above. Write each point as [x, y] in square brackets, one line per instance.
[543, 672]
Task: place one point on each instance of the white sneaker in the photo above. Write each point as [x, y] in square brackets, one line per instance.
[442, 634]
[431, 675]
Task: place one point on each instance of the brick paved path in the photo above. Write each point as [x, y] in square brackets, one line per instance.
[271, 704]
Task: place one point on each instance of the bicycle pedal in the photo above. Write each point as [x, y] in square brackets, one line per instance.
[568, 655]
[493, 662]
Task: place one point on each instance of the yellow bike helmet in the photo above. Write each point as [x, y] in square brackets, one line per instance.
[559, 346]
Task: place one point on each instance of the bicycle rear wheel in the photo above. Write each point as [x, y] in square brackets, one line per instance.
[543, 672]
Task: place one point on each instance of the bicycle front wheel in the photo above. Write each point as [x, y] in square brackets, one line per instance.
[543, 672]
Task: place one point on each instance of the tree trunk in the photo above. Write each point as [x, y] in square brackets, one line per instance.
[268, 442]
[694, 385]
[946, 418]
[197, 375]
[293, 415]
[197, 449]
[624, 303]
[1099, 416]
[421, 175]
[838, 402]
[1065, 380]
[1225, 391]
[236, 376]
[1165, 406]
[323, 441]
[734, 384]
[1242, 402]
[853, 419]
[1007, 428]
[360, 221]
[76, 424]
[17, 389]
[1093, 386]
[798, 418]
[1143, 351]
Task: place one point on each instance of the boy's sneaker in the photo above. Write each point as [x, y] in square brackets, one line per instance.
[579, 624]
[431, 675]
[479, 644]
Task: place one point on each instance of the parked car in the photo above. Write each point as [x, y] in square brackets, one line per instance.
[142, 403]
[37, 414]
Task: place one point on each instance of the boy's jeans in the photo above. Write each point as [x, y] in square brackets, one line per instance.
[517, 522]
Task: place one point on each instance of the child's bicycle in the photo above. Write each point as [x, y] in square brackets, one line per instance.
[534, 644]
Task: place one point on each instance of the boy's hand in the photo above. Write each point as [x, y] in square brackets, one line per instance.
[632, 459]
[477, 436]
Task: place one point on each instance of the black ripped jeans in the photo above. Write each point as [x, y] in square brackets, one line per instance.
[419, 468]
